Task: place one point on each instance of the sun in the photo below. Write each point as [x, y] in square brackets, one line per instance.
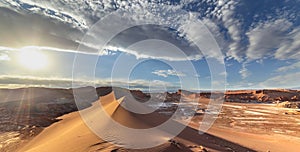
[33, 59]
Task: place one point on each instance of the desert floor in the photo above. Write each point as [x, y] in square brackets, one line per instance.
[239, 127]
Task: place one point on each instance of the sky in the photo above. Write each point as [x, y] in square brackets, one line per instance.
[167, 45]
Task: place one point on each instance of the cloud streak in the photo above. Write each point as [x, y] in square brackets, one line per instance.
[293, 66]
[4, 57]
[267, 37]
[16, 81]
[167, 73]
[290, 80]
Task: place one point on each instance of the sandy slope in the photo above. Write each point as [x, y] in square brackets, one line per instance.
[67, 135]
[258, 142]
[272, 143]
[71, 134]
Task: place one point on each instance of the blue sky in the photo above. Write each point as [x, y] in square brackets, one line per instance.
[259, 43]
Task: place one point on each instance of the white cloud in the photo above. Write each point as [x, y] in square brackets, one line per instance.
[273, 38]
[26, 81]
[267, 37]
[197, 75]
[206, 35]
[244, 71]
[290, 47]
[227, 15]
[2, 48]
[107, 52]
[57, 10]
[47, 49]
[242, 85]
[4, 57]
[167, 73]
[290, 80]
[293, 66]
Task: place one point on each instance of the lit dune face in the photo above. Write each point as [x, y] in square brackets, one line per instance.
[33, 59]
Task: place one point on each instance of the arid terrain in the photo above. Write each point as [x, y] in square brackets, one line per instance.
[149, 76]
[36, 119]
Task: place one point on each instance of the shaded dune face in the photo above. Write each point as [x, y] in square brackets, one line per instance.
[119, 113]
[114, 123]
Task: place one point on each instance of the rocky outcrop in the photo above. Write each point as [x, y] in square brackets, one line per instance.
[279, 95]
[140, 96]
[287, 104]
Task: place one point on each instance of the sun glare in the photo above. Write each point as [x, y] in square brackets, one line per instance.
[33, 59]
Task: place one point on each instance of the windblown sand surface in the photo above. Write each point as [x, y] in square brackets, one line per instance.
[72, 135]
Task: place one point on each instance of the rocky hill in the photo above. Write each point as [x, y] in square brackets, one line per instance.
[278, 95]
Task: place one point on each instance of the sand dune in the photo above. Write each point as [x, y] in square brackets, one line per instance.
[71, 134]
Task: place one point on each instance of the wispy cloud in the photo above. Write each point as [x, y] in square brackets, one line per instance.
[233, 25]
[167, 73]
[244, 71]
[293, 66]
[46, 48]
[289, 80]
[267, 37]
[4, 57]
